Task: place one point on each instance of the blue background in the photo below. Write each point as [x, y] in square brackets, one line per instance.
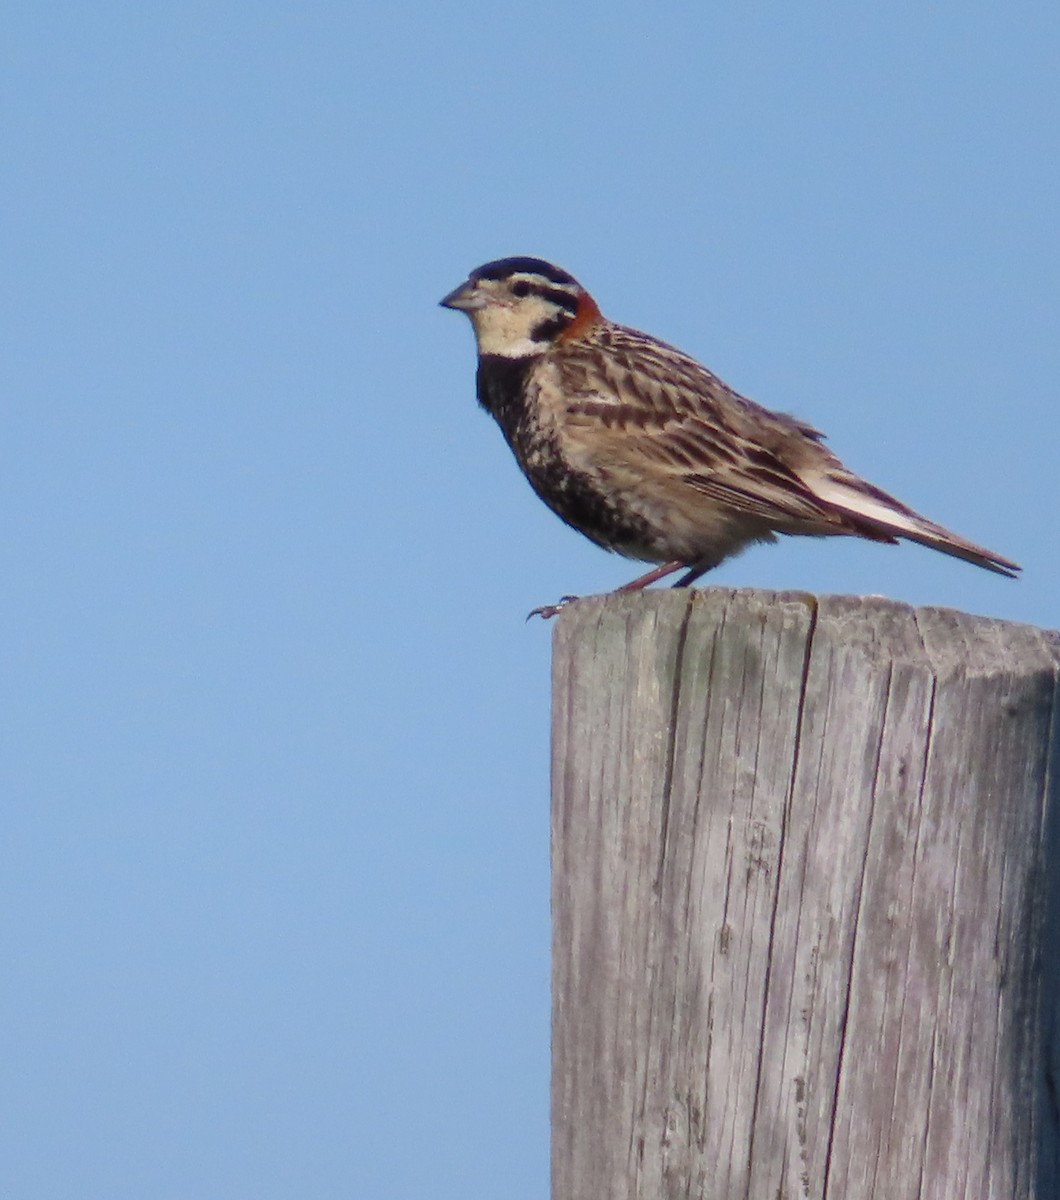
[275, 736]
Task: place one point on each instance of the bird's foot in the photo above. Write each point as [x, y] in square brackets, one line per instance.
[547, 611]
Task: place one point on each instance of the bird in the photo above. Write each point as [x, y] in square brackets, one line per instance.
[649, 454]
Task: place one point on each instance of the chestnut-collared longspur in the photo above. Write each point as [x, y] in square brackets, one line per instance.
[646, 452]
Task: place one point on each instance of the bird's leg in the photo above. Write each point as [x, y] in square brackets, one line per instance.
[660, 572]
[546, 611]
[700, 568]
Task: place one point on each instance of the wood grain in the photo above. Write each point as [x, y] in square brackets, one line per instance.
[806, 910]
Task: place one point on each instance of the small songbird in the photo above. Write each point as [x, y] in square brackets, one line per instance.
[647, 453]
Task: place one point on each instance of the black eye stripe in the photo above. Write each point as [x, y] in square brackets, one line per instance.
[557, 296]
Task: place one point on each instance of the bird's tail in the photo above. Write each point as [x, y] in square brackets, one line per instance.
[876, 514]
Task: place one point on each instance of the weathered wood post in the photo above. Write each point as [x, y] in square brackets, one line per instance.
[806, 901]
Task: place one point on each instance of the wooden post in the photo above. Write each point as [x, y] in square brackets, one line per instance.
[806, 901]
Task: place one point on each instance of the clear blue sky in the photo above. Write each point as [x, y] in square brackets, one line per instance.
[273, 853]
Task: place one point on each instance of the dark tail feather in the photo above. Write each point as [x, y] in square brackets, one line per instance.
[938, 538]
[876, 514]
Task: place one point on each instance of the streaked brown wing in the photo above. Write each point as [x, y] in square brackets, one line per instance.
[654, 409]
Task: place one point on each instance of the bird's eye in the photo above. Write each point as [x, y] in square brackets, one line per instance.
[521, 288]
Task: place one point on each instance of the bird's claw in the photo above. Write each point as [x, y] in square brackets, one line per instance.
[547, 611]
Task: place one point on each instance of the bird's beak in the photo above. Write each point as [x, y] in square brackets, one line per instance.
[463, 299]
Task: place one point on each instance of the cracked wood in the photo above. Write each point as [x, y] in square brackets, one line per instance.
[806, 909]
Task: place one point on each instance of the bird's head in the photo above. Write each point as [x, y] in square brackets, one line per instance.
[520, 307]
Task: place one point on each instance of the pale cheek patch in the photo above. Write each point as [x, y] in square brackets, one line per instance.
[504, 348]
[507, 331]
